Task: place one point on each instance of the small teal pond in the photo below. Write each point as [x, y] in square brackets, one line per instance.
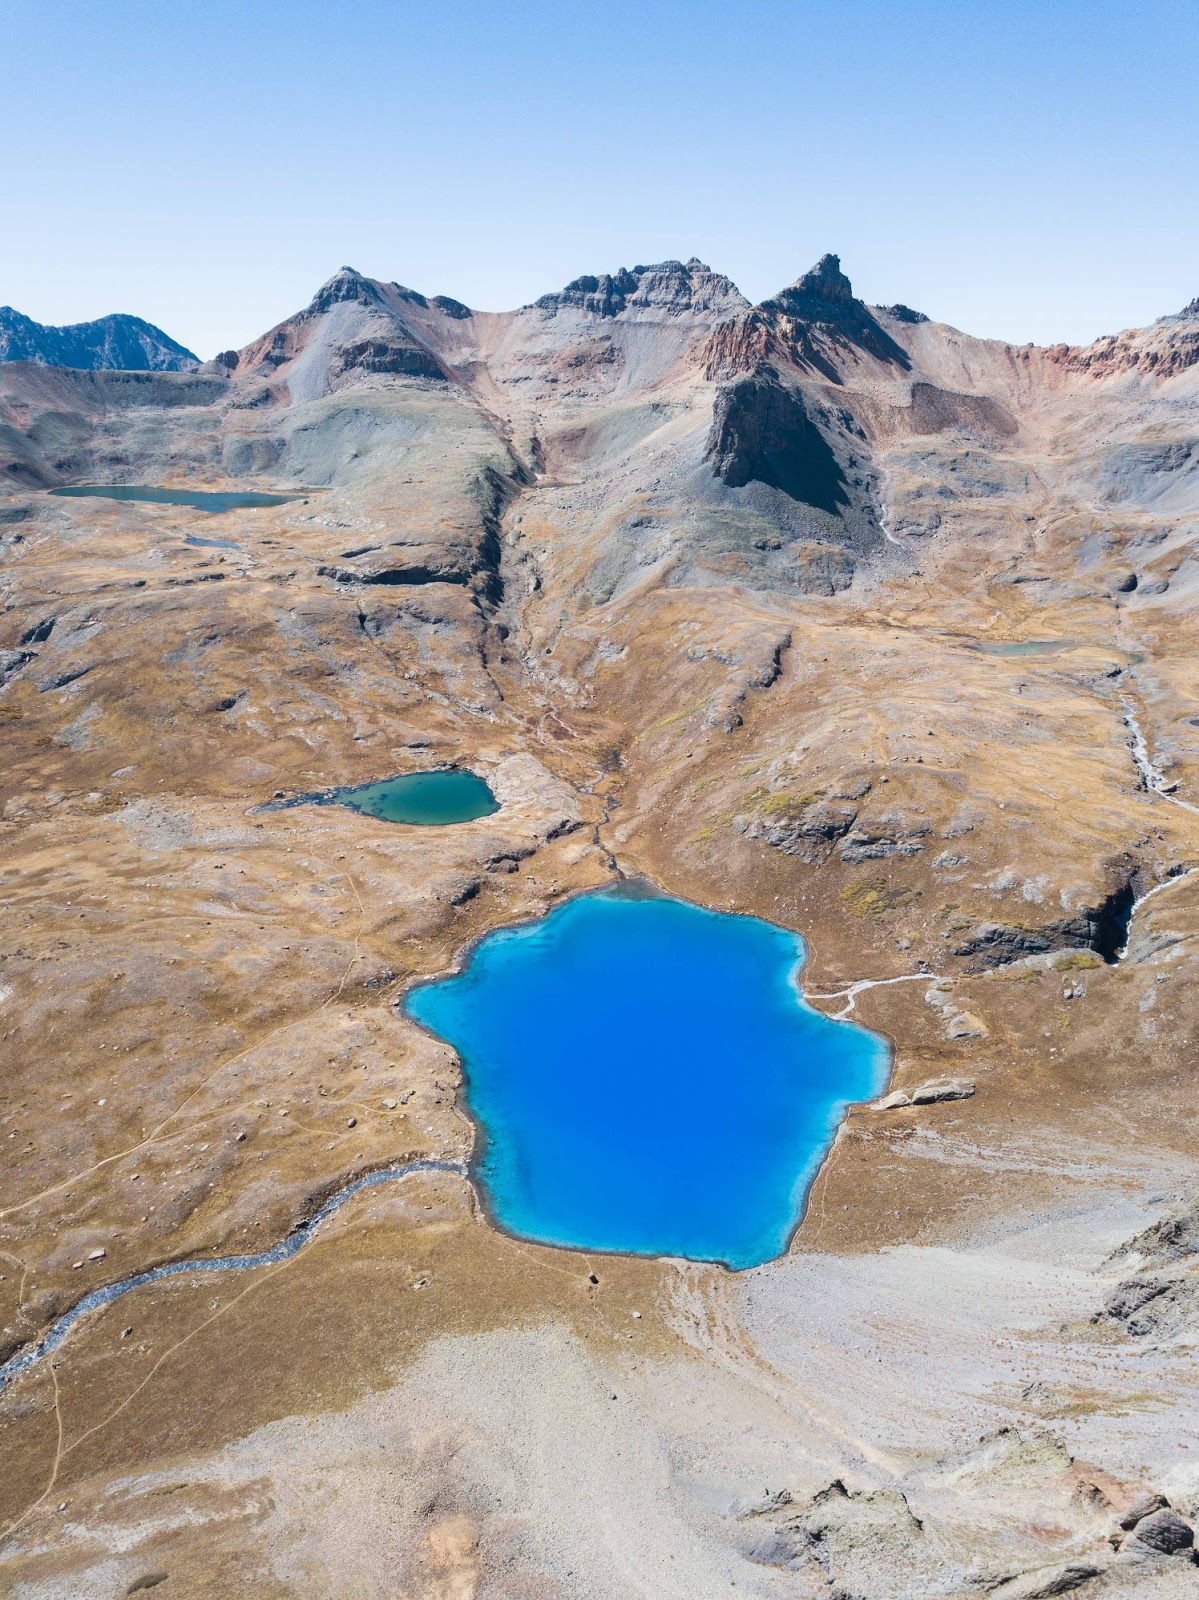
[1023, 647]
[210, 544]
[197, 499]
[430, 799]
[646, 1077]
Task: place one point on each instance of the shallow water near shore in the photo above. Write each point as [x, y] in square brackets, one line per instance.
[196, 499]
[647, 1078]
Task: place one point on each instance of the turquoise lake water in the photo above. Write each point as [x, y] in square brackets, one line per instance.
[197, 499]
[646, 1077]
[1024, 647]
[433, 799]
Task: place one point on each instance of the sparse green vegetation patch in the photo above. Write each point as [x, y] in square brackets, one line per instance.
[784, 807]
[873, 897]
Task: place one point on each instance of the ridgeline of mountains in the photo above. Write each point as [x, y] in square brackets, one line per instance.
[113, 343]
[124, 343]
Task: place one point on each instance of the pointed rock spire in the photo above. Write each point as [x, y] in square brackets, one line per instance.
[823, 286]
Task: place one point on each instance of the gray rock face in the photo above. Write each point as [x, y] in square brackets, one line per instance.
[1127, 1298]
[346, 285]
[1165, 1532]
[884, 834]
[802, 826]
[11, 662]
[1103, 929]
[936, 410]
[848, 1538]
[671, 286]
[761, 433]
[452, 308]
[115, 342]
[393, 354]
[903, 313]
[1143, 1506]
[1172, 1239]
[936, 1089]
[1154, 1308]
[1047, 1581]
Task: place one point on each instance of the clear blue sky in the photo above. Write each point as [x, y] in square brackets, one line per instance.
[1026, 171]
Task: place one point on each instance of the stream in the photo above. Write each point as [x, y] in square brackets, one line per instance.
[1155, 781]
[283, 1251]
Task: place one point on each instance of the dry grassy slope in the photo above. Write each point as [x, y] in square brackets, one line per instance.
[516, 554]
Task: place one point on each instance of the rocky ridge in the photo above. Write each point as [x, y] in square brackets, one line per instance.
[117, 342]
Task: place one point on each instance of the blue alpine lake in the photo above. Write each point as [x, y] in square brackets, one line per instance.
[647, 1077]
[195, 499]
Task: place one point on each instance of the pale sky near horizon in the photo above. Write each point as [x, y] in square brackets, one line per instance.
[1024, 171]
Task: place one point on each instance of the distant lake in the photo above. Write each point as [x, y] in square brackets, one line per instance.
[197, 499]
[210, 544]
[429, 799]
[647, 1078]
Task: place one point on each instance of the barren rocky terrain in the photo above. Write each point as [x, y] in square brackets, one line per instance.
[811, 609]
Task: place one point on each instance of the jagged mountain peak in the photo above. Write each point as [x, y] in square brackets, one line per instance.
[825, 281]
[1189, 313]
[345, 284]
[815, 322]
[670, 286]
[117, 342]
[821, 287]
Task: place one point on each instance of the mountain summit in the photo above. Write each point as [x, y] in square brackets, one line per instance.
[116, 342]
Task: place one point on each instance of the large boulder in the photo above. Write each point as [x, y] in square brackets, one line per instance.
[1165, 1532]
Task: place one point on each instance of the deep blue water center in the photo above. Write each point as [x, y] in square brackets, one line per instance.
[647, 1078]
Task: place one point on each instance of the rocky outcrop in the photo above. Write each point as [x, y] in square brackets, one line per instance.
[1173, 1238]
[408, 573]
[1154, 1308]
[12, 662]
[805, 826]
[847, 1537]
[670, 287]
[761, 433]
[1103, 929]
[759, 666]
[927, 1094]
[1045, 1582]
[903, 313]
[453, 309]
[1165, 1533]
[1170, 346]
[891, 834]
[1143, 1506]
[115, 342]
[394, 354]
